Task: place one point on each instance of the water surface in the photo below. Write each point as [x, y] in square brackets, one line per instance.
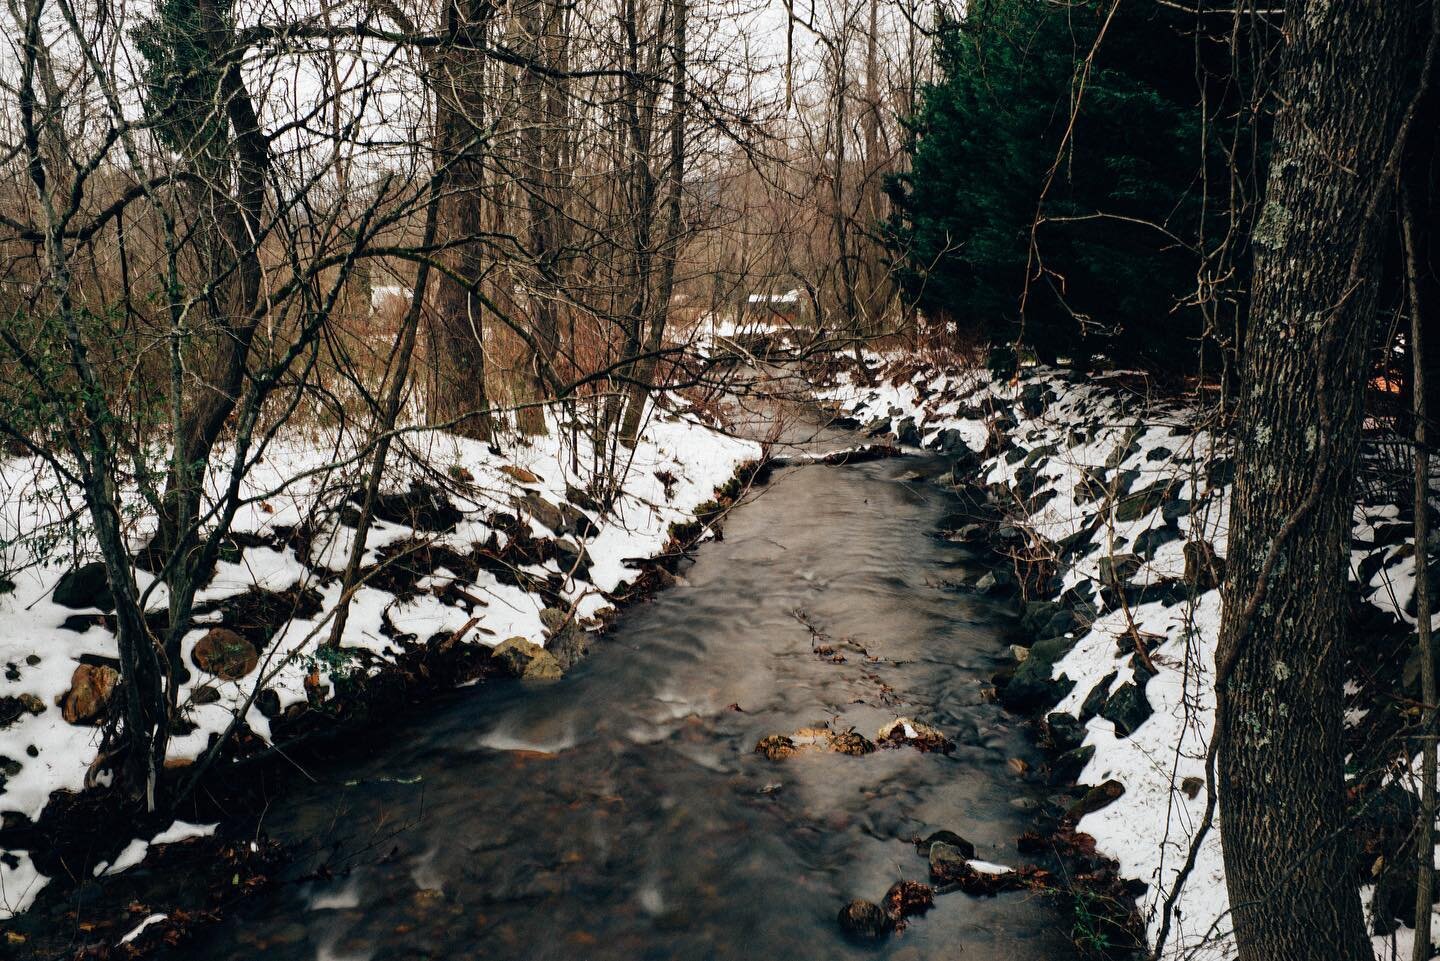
[622, 813]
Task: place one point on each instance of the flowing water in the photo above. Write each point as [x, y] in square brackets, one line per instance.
[622, 812]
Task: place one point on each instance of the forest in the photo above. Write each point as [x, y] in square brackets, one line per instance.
[709, 479]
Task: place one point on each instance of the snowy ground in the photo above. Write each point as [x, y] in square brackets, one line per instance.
[677, 466]
[1103, 475]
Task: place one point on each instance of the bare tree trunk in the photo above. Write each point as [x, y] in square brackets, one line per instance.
[644, 369]
[203, 419]
[641, 193]
[542, 106]
[1279, 731]
[873, 287]
[144, 720]
[1425, 832]
[458, 325]
[389, 414]
[840, 223]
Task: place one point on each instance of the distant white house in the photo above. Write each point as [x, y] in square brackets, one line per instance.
[787, 299]
[378, 295]
[786, 308]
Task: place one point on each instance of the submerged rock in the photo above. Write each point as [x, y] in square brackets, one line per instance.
[906, 899]
[921, 736]
[946, 837]
[864, 920]
[775, 747]
[948, 864]
[522, 658]
[851, 742]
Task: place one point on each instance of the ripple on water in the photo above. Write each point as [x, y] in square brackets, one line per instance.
[508, 737]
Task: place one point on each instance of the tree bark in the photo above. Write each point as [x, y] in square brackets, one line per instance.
[1425, 830]
[640, 194]
[1345, 97]
[240, 226]
[458, 326]
[644, 368]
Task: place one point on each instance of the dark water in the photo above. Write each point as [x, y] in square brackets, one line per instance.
[621, 813]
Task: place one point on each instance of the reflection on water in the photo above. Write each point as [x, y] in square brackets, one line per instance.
[621, 812]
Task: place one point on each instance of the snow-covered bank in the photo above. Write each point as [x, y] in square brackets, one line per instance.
[471, 549]
[1114, 508]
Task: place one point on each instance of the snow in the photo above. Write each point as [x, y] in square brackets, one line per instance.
[296, 481]
[139, 929]
[134, 852]
[19, 885]
[183, 831]
[132, 855]
[989, 867]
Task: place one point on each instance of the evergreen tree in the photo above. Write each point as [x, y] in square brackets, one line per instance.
[181, 79]
[1109, 157]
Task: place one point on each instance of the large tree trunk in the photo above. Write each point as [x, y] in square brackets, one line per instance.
[640, 196]
[1425, 831]
[234, 258]
[1422, 184]
[457, 333]
[542, 117]
[1345, 94]
[645, 368]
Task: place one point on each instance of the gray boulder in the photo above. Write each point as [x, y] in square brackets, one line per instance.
[1127, 708]
[1032, 687]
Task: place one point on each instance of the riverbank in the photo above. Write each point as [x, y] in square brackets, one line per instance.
[480, 565]
[1107, 508]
